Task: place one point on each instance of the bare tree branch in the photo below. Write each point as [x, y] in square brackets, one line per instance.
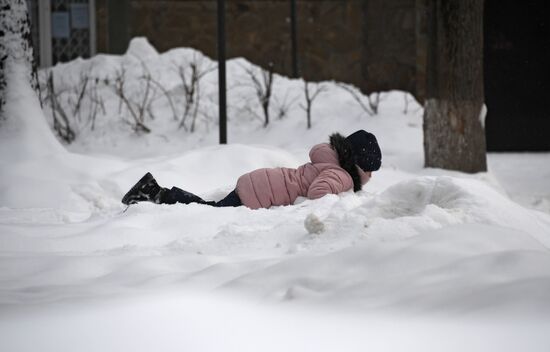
[61, 122]
[310, 96]
[191, 87]
[263, 86]
[358, 97]
[136, 113]
[283, 106]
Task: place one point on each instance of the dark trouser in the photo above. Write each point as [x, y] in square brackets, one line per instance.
[177, 195]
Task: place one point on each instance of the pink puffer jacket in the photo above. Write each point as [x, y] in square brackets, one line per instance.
[263, 188]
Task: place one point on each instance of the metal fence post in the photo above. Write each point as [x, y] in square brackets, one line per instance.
[294, 39]
[221, 72]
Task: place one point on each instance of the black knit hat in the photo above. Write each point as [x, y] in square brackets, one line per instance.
[365, 150]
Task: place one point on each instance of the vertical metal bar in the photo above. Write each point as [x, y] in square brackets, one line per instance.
[119, 26]
[294, 39]
[221, 72]
[92, 27]
[45, 33]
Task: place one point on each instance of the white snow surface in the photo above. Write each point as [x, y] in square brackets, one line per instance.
[419, 260]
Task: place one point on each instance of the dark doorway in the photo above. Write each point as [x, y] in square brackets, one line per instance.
[517, 75]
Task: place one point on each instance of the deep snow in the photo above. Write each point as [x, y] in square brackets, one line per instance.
[421, 259]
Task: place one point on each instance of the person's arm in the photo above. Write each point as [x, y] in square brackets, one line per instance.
[321, 153]
[331, 181]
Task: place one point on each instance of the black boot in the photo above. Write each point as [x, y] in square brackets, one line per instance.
[146, 189]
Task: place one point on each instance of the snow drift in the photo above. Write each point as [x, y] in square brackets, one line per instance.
[421, 259]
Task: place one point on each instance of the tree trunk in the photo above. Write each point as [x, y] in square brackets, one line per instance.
[15, 45]
[454, 136]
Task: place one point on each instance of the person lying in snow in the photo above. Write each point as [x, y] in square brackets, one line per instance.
[346, 163]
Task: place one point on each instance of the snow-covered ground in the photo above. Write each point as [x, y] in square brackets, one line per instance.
[420, 260]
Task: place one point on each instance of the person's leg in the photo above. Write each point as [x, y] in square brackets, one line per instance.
[231, 200]
[178, 195]
[147, 189]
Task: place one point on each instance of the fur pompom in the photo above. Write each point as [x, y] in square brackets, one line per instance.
[345, 158]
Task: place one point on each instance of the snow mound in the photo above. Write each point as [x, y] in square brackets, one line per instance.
[140, 48]
[25, 134]
[410, 207]
[41, 181]
[103, 124]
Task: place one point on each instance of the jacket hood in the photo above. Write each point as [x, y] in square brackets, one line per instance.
[345, 158]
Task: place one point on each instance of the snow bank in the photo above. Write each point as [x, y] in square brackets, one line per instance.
[27, 147]
[110, 132]
[36, 170]
[25, 133]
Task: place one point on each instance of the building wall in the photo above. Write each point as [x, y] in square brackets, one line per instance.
[369, 43]
[389, 45]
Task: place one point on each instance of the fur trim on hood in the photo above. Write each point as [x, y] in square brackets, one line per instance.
[345, 158]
